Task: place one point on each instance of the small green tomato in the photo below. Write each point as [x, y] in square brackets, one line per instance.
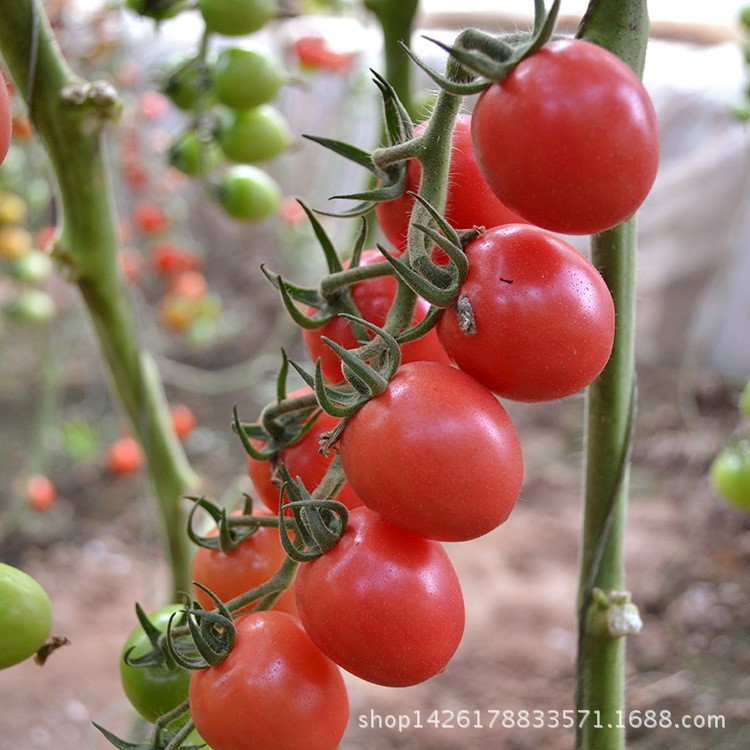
[254, 135]
[25, 616]
[249, 194]
[237, 17]
[730, 474]
[244, 78]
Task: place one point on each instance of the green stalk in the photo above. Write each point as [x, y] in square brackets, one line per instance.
[396, 18]
[69, 115]
[621, 27]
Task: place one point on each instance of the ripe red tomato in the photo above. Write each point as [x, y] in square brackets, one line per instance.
[384, 604]
[6, 122]
[373, 298]
[183, 420]
[313, 52]
[167, 258]
[469, 202]
[569, 140]
[251, 563]
[150, 218]
[41, 493]
[435, 453]
[302, 459]
[544, 317]
[125, 456]
[274, 690]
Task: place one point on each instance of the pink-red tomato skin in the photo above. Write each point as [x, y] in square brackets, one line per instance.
[384, 604]
[435, 453]
[274, 690]
[569, 139]
[543, 315]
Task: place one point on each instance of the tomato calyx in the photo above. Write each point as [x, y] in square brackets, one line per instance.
[163, 736]
[319, 522]
[159, 654]
[490, 57]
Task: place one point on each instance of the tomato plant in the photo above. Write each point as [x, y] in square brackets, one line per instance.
[6, 122]
[155, 689]
[302, 459]
[248, 193]
[275, 689]
[569, 139]
[384, 604]
[373, 299]
[541, 317]
[244, 78]
[469, 201]
[25, 616]
[236, 17]
[252, 562]
[254, 135]
[418, 453]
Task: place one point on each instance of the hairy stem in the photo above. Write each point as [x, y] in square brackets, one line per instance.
[69, 115]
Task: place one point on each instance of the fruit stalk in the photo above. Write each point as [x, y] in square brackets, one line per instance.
[610, 405]
[69, 114]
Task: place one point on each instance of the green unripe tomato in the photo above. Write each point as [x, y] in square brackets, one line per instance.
[153, 690]
[33, 267]
[25, 616]
[157, 9]
[193, 156]
[745, 400]
[254, 135]
[32, 306]
[244, 78]
[183, 85]
[730, 474]
[249, 194]
[236, 17]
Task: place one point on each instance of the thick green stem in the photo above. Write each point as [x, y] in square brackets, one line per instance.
[69, 114]
[621, 27]
[396, 18]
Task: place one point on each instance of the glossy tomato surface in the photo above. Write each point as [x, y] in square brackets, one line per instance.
[251, 563]
[384, 604]
[569, 139]
[373, 299]
[543, 316]
[274, 690]
[435, 453]
[469, 202]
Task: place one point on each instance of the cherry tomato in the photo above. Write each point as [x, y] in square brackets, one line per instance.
[193, 156]
[302, 459]
[25, 616]
[6, 122]
[314, 52]
[236, 17]
[183, 420]
[274, 690]
[249, 194]
[254, 135]
[124, 456]
[251, 563]
[373, 299]
[384, 604]
[569, 139]
[153, 690]
[41, 493]
[243, 78]
[167, 258]
[150, 218]
[435, 453]
[730, 474]
[469, 201]
[544, 319]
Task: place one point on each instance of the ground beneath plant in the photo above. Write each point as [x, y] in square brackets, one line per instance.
[688, 557]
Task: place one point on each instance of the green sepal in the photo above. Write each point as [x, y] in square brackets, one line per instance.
[357, 155]
[420, 329]
[156, 656]
[456, 88]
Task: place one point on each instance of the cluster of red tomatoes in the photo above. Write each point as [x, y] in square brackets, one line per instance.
[433, 457]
